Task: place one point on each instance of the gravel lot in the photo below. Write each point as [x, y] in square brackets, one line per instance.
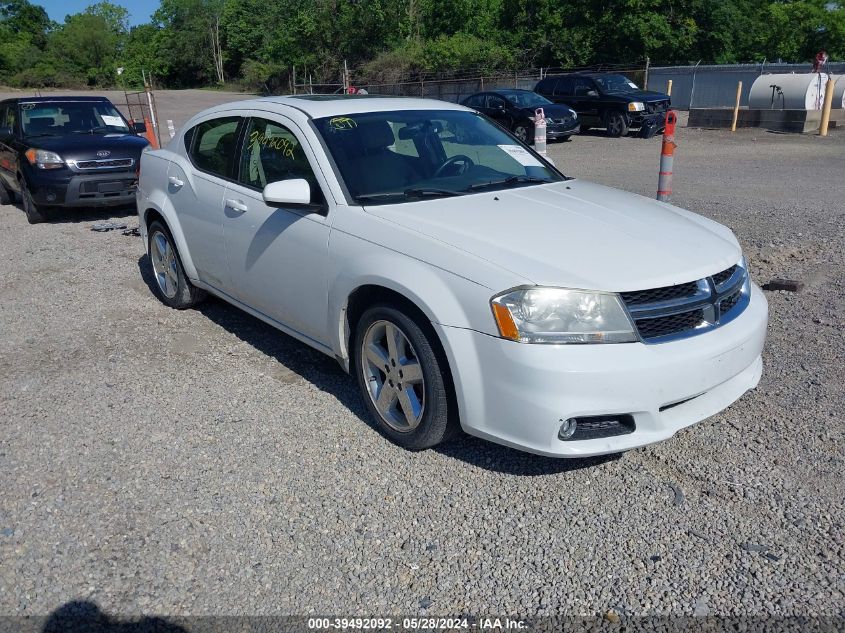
[200, 462]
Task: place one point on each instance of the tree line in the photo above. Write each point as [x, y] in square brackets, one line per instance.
[257, 43]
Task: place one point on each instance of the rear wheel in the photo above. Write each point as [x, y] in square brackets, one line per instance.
[616, 124]
[173, 286]
[34, 214]
[402, 379]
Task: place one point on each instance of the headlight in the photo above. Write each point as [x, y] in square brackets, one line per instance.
[560, 315]
[43, 159]
[636, 106]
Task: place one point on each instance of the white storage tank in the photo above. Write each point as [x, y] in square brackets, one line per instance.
[793, 92]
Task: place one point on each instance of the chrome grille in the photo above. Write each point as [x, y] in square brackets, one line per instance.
[672, 312]
[722, 277]
[107, 163]
[639, 297]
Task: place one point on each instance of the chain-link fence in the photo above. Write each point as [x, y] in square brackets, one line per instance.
[457, 85]
[714, 86]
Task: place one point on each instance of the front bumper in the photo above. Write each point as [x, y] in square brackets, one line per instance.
[66, 188]
[557, 130]
[520, 394]
[638, 119]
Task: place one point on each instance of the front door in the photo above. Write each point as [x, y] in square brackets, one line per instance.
[278, 256]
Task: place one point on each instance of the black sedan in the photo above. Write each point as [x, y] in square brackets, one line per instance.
[514, 110]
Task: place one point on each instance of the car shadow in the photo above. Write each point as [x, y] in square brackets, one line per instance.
[86, 617]
[326, 374]
[74, 215]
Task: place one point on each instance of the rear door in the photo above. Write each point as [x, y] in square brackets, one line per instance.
[196, 186]
[497, 109]
[278, 257]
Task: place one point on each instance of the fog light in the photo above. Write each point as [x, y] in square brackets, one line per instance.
[567, 429]
[51, 197]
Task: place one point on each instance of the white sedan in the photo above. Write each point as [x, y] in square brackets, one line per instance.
[462, 279]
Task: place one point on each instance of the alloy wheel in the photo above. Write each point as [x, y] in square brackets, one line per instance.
[164, 264]
[394, 376]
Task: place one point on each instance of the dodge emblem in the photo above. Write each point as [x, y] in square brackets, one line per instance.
[103, 153]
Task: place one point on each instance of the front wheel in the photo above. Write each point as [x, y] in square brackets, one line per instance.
[34, 214]
[524, 133]
[617, 125]
[402, 379]
[173, 286]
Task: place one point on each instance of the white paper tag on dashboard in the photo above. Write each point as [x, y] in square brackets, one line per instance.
[116, 121]
[521, 155]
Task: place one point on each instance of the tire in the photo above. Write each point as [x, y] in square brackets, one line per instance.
[34, 214]
[426, 415]
[5, 194]
[616, 124]
[524, 133]
[172, 286]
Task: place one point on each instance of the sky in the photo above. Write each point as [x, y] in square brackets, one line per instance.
[139, 10]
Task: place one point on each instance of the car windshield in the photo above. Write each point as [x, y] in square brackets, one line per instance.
[67, 117]
[389, 157]
[615, 83]
[526, 99]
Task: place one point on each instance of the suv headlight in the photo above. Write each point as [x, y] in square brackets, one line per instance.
[560, 315]
[636, 106]
[44, 159]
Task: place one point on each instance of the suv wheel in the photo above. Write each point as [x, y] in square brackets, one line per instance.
[616, 123]
[524, 133]
[34, 215]
[173, 286]
[402, 379]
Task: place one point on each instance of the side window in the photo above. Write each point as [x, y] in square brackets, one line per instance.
[583, 86]
[475, 101]
[7, 116]
[495, 103]
[547, 86]
[212, 143]
[564, 87]
[271, 152]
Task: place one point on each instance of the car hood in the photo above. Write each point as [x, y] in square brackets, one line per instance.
[646, 96]
[86, 146]
[575, 234]
[553, 110]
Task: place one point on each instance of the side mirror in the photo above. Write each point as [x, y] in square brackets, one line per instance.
[6, 132]
[592, 93]
[295, 191]
[139, 127]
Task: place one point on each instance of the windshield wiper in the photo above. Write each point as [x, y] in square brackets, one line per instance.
[100, 129]
[37, 134]
[431, 192]
[511, 180]
[414, 192]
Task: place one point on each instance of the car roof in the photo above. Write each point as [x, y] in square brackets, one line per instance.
[55, 99]
[318, 106]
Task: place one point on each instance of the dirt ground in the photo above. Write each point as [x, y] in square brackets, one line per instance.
[200, 462]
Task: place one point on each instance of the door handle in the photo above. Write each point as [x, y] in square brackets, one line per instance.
[173, 180]
[236, 205]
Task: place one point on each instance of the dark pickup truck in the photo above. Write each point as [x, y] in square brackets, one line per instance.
[605, 100]
[67, 152]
